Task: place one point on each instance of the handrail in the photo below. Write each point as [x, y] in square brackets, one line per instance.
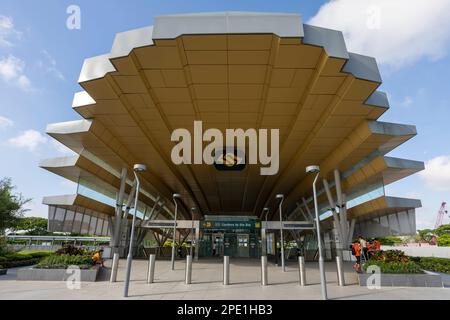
[64, 238]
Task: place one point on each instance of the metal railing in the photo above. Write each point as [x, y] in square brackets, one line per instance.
[59, 238]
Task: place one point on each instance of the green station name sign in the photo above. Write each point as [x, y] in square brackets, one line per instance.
[231, 224]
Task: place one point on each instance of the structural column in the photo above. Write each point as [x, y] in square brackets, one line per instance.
[197, 236]
[117, 225]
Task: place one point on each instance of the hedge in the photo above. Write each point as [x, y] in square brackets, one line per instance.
[394, 267]
[64, 261]
[18, 259]
[434, 264]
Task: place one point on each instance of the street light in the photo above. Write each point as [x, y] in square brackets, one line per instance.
[280, 196]
[192, 230]
[174, 198]
[136, 169]
[323, 279]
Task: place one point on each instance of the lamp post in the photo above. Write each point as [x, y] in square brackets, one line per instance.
[192, 230]
[136, 169]
[174, 197]
[281, 197]
[323, 279]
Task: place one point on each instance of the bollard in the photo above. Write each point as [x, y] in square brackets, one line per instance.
[226, 270]
[302, 270]
[340, 271]
[114, 267]
[188, 273]
[264, 270]
[173, 257]
[151, 268]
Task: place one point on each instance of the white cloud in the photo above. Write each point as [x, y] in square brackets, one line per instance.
[397, 33]
[48, 65]
[12, 70]
[7, 31]
[29, 139]
[5, 122]
[407, 101]
[437, 174]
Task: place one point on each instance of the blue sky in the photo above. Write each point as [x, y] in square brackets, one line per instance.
[40, 61]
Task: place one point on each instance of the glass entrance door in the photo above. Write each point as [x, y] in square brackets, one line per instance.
[217, 244]
[243, 245]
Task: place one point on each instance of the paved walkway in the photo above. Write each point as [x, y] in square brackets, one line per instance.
[207, 284]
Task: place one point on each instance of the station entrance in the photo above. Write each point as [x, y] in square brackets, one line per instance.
[234, 236]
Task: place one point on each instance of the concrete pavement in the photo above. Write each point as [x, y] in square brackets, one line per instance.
[207, 284]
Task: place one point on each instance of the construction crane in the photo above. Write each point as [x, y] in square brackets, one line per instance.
[440, 216]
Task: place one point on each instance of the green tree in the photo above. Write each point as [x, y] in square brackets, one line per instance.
[426, 234]
[33, 225]
[442, 230]
[444, 240]
[390, 240]
[11, 205]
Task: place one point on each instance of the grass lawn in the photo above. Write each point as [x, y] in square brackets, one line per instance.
[25, 252]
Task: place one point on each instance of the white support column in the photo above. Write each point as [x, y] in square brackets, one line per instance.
[197, 236]
[263, 242]
[340, 202]
[117, 226]
[344, 222]
[150, 216]
[307, 210]
[129, 203]
[351, 231]
[337, 221]
[302, 212]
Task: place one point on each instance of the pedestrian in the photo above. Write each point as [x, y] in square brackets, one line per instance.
[356, 251]
[370, 248]
[377, 245]
[364, 248]
[97, 258]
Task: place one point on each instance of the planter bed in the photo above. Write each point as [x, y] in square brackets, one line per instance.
[404, 280]
[32, 274]
[20, 263]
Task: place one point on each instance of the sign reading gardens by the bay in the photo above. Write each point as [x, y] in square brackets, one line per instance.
[250, 224]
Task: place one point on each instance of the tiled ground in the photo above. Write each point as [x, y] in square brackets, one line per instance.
[207, 284]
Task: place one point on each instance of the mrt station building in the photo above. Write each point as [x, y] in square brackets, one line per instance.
[231, 70]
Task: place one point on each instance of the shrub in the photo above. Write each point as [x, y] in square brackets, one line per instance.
[390, 256]
[444, 240]
[64, 261]
[394, 267]
[3, 247]
[70, 250]
[19, 259]
[393, 261]
[434, 264]
[14, 256]
[38, 254]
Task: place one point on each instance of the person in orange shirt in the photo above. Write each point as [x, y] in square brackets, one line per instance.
[377, 245]
[356, 251]
[97, 257]
[370, 248]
